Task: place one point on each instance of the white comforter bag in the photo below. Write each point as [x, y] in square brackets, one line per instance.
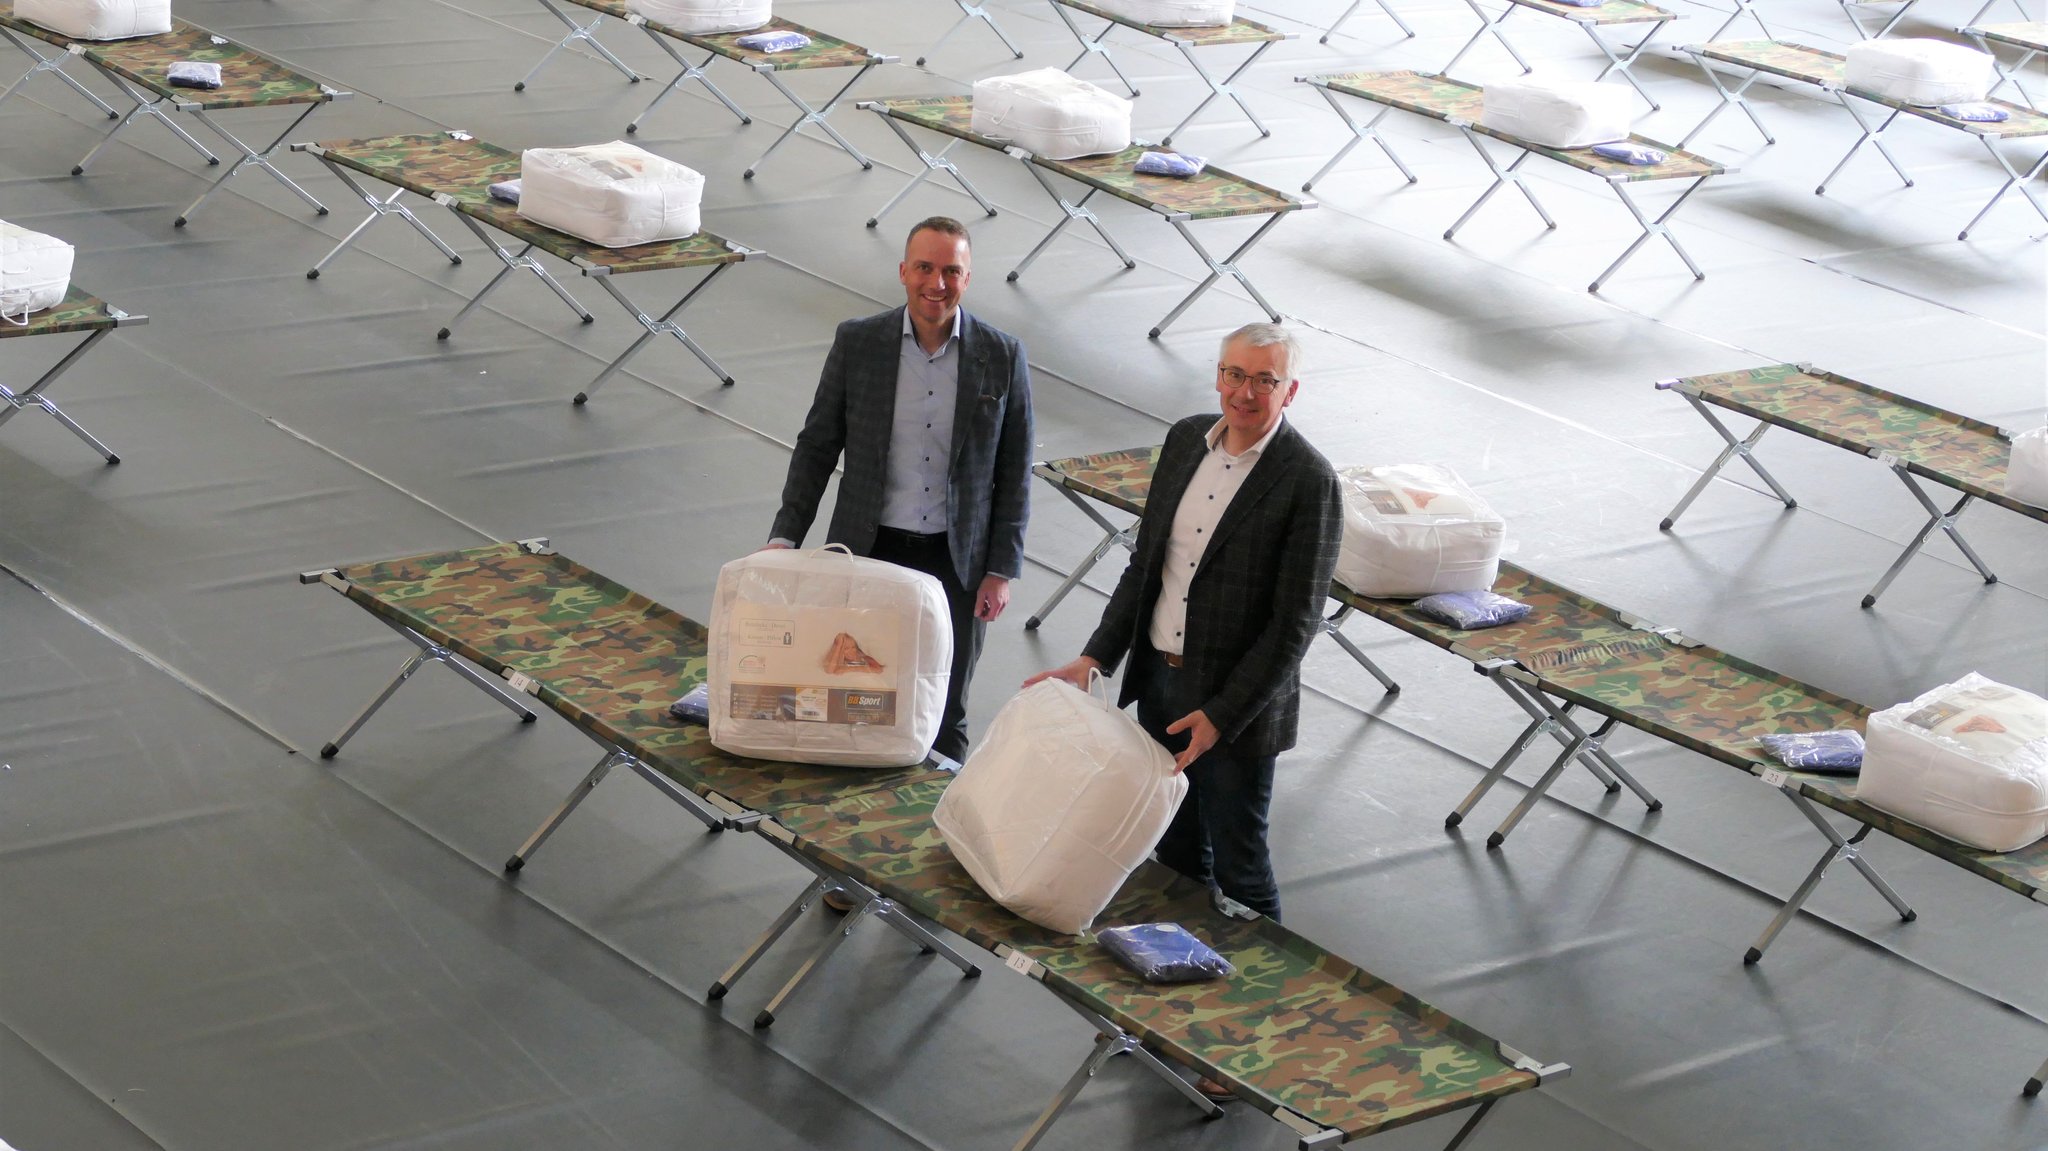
[1173, 13]
[1922, 72]
[1968, 760]
[1051, 114]
[1557, 113]
[613, 195]
[35, 272]
[2026, 473]
[1061, 800]
[98, 19]
[1415, 530]
[703, 17]
[825, 657]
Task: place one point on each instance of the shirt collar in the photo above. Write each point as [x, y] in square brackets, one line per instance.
[951, 337]
[1215, 437]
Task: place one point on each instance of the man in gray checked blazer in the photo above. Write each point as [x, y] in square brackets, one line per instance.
[1217, 606]
[932, 410]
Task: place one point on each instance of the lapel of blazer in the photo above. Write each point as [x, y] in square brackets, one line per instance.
[1274, 464]
[1169, 484]
[885, 360]
[972, 356]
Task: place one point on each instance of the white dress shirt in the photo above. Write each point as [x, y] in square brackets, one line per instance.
[1216, 481]
[920, 468]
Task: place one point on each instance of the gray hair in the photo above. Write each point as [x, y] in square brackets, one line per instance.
[1265, 335]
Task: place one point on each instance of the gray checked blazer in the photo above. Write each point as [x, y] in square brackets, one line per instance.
[1257, 596]
[853, 413]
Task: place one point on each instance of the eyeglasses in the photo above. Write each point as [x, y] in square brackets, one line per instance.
[1235, 378]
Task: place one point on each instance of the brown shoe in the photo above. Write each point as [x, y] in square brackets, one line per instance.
[839, 902]
[1213, 1091]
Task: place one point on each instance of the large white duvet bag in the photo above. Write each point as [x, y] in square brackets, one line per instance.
[1968, 760]
[613, 195]
[1923, 72]
[825, 657]
[1415, 530]
[35, 271]
[1061, 800]
[2026, 473]
[1557, 113]
[1051, 114]
[98, 19]
[1173, 13]
[702, 17]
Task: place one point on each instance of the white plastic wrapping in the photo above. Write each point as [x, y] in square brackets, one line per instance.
[825, 657]
[98, 19]
[1173, 13]
[2026, 473]
[35, 271]
[703, 17]
[1557, 113]
[1051, 114]
[1415, 530]
[1061, 800]
[614, 195]
[1968, 760]
[1922, 72]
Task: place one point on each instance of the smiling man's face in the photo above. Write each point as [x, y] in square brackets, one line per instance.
[935, 271]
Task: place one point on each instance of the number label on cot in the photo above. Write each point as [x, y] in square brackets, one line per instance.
[1774, 777]
[520, 682]
[1018, 962]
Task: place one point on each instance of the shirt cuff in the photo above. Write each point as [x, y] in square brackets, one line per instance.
[785, 542]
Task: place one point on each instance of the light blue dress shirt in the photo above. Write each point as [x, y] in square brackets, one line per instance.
[921, 441]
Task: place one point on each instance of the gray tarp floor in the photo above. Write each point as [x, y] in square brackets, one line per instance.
[209, 939]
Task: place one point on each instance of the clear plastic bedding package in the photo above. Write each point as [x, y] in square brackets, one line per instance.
[1164, 953]
[1838, 752]
[694, 707]
[1472, 610]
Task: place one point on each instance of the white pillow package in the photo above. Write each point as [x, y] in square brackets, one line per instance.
[1173, 13]
[1968, 760]
[613, 195]
[1051, 114]
[2026, 473]
[1413, 530]
[1920, 72]
[703, 17]
[1063, 797]
[35, 271]
[1557, 113]
[825, 657]
[98, 19]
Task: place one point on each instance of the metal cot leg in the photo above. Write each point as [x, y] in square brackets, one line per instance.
[816, 116]
[1502, 177]
[666, 325]
[1069, 212]
[1334, 628]
[1744, 447]
[32, 396]
[251, 156]
[968, 14]
[1735, 97]
[1488, 25]
[2012, 180]
[1224, 88]
[1097, 46]
[1838, 847]
[569, 803]
[429, 652]
[55, 66]
[932, 163]
[1112, 536]
[513, 262]
[1936, 518]
[689, 72]
[1359, 134]
[1218, 268]
[1661, 226]
[389, 206]
[583, 32]
[1873, 135]
[1384, 7]
[1626, 64]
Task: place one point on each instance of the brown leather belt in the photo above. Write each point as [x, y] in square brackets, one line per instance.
[1171, 659]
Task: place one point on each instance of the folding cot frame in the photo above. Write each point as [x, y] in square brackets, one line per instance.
[76, 312]
[1589, 20]
[250, 80]
[1912, 440]
[456, 170]
[1212, 195]
[1355, 4]
[969, 13]
[2030, 37]
[1458, 104]
[1186, 40]
[603, 634]
[1576, 654]
[1825, 71]
[822, 52]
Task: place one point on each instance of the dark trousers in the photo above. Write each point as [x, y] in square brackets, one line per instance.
[1218, 837]
[930, 554]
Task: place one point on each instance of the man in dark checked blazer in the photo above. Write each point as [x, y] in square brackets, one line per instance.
[1217, 606]
[932, 411]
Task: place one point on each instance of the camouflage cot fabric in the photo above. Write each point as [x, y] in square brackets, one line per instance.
[2020, 34]
[1965, 454]
[76, 312]
[1442, 98]
[431, 163]
[1214, 194]
[1305, 1030]
[1829, 70]
[1119, 479]
[1238, 31]
[1612, 12]
[249, 79]
[605, 657]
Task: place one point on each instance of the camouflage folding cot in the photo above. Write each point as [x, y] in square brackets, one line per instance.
[76, 312]
[137, 67]
[456, 170]
[1610, 13]
[822, 52]
[1214, 194]
[2029, 36]
[1238, 31]
[1913, 440]
[1827, 72]
[608, 660]
[1303, 1035]
[1457, 103]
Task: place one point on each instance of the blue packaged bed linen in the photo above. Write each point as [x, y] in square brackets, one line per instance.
[506, 190]
[1164, 953]
[1838, 752]
[778, 41]
[1980, 113]
[1170, 164]
[193, 74]
[694, 707]
[1628, 153]
[1471, 610]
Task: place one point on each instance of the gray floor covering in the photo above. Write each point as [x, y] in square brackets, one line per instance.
[214, 940]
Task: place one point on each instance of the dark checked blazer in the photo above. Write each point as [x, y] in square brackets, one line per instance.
[853, 413]
[1257, 596]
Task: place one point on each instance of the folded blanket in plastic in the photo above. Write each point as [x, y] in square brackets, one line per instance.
[1173, 164]
[1472, 610]
[780, 40]
[614, 195]
[1968, 760]
[1837, 752]
[694, 707]
[1164, 953]
[1638, 154]
[193, 74]
[506, 190]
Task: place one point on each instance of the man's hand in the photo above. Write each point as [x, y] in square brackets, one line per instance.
[773, 546]
[993, 597]
[1202, 735]
[1076, 673]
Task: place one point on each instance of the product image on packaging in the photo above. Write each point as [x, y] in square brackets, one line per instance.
[780, 676]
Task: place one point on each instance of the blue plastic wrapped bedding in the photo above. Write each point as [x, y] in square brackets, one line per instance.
[1164, 953]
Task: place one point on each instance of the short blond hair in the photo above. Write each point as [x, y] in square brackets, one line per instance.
[1265, 335]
